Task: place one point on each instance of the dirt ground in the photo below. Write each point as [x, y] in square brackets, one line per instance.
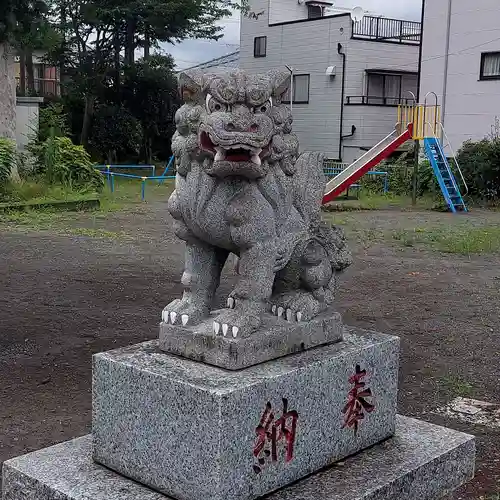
[65, 297]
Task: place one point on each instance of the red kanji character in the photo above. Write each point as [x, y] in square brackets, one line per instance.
[271, 432]
[357, 404]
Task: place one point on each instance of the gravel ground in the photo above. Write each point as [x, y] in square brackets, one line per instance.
[65, 297]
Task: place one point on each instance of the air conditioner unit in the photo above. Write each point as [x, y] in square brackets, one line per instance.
[331, 71]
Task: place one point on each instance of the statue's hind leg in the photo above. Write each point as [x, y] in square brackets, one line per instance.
[302, 290]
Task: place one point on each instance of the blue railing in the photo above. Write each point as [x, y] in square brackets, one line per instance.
[110, 175]
[331, 170]
[108, 168]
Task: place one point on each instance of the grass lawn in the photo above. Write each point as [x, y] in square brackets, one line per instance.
[378, 201]
[474, 233]
[127, 196]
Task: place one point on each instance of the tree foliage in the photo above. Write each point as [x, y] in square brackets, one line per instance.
[150, 93]
[480, 164]
[96, 50]
[20, 18]
[116, 133]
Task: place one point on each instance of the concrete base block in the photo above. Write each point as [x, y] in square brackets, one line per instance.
[422, 462]
[276, 338]
[194, 431]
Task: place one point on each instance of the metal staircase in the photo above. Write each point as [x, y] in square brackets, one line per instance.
[444, 175]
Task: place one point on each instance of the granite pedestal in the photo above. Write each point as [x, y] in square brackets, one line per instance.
[195, 432]
[274, 339]
[421, 462]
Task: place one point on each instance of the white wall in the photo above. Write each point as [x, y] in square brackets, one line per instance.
[286, 10]
[471, 105]
[373, 123]
[310, 46]
[27, 112]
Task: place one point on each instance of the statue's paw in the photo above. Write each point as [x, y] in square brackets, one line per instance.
[235, 324]
[297, 306]
[184, 312]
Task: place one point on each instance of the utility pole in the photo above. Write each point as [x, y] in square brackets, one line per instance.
[415, 174]
[415, 112]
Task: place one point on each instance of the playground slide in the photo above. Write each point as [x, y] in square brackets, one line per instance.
[362, 165]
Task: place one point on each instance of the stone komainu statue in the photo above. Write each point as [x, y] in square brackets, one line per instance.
[242, 187]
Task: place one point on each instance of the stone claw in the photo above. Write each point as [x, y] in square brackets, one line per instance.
[231, 303]
[288, 314]
[225, 329]
[173, 317]
[185, 319]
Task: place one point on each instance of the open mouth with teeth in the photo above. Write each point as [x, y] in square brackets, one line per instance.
[235, 152]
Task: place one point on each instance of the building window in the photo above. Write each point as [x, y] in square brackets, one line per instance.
[490, 66]
[39, 70]
[384, 89]
[314, 11]
[300, 90]
[260, 46]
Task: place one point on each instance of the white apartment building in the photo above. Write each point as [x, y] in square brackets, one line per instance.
[349, 77]
[461, 64]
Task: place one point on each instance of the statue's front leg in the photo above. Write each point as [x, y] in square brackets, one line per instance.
[250, 298]
[201, 279]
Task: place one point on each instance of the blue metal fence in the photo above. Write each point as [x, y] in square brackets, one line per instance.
[110, 175]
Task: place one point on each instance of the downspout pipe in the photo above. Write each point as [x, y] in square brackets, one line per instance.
[446, 63]
[420, 52]
[341, 137]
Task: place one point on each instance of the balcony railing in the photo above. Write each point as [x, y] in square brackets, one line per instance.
[44, 87]
[364, 100]
[383, 29]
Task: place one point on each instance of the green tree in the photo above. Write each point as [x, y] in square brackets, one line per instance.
[95, 33]
[116, 133]
[150, 93]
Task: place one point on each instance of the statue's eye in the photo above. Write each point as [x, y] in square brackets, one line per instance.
[263, 108]
[214, 106]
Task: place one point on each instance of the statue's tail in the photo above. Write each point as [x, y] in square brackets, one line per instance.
[309, 188]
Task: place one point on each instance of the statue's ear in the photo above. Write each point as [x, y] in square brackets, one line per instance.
[191, 86]
[281, 82]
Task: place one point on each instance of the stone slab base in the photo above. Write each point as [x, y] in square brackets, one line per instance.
[194, 431]
[422, 462]
[276, 338]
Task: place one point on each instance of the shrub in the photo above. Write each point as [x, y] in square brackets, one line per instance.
[61, 162]
[53, 121]
[26, 164]
[427, 182]
[7, 159]
[480, 164]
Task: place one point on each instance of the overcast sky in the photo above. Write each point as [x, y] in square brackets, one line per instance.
[191, 52]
